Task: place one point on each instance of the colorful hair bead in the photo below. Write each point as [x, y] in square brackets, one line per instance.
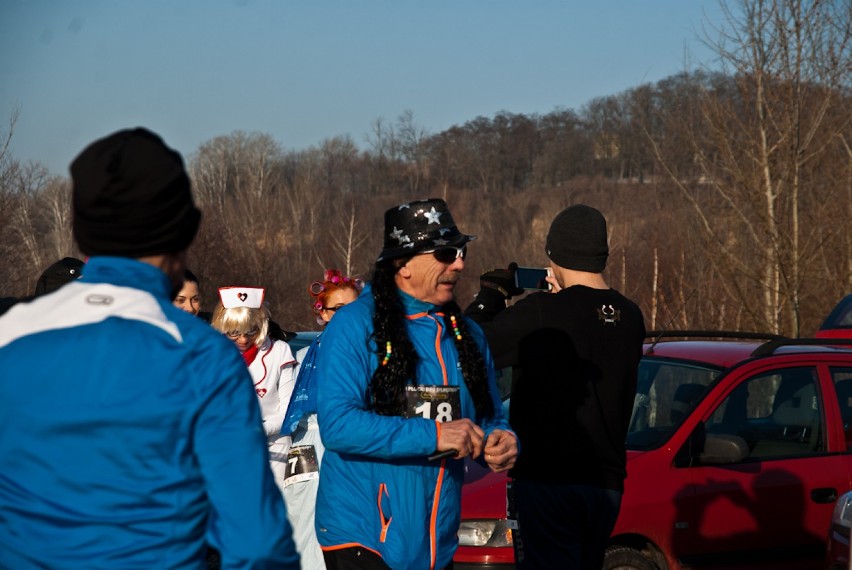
[387, 353]
[456, 331]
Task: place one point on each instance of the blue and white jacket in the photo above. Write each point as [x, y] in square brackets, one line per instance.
[130, 436]
[377, 489]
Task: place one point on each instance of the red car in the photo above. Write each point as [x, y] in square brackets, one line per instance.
[737, 453]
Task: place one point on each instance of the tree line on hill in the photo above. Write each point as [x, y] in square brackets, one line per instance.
[728, 193]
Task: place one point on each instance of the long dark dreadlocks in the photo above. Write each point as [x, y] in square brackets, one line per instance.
[389, 323]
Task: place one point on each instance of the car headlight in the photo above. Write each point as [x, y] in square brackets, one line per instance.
[841, 520]
[485, 532]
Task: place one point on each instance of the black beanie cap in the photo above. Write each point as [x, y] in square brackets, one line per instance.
[577, 239]
[132, 197]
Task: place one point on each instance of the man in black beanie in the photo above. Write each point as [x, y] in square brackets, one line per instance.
[575, 354]
[138, 442]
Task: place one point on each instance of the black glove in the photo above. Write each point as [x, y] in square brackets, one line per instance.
[502, 280]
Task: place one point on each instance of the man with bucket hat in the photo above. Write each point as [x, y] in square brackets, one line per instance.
[131, 436]
[405, 390]
[575, 354]
[55, 276]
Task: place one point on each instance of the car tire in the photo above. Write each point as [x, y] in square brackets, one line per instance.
[626, 558]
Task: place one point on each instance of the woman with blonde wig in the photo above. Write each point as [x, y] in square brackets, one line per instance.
[243, 317]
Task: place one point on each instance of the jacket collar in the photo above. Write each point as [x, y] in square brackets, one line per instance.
[414, 306]
[127, 272]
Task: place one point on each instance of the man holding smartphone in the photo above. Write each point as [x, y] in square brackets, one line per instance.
[575, 353]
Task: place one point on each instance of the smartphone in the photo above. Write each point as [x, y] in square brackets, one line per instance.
[532, 278]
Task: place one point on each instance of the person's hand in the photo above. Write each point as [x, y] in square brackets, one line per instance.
[501, 450]
[464, 436]
[555, 287]
[502, 280]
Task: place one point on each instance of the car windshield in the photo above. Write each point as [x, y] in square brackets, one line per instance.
[665, 390]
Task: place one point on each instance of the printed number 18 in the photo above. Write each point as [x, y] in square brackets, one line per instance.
[444, 411]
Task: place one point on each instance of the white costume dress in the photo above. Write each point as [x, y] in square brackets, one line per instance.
[273, 374]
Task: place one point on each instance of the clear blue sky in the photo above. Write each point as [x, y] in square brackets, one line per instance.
[304, 71]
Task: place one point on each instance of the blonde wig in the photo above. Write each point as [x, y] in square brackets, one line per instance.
[241, 320]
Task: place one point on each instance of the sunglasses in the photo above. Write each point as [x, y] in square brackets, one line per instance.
[234, 335]
[448, 254]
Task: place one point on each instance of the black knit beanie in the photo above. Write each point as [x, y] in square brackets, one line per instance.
[577, 239]
[132, 197]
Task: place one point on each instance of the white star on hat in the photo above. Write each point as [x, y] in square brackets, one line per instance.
[433, 216]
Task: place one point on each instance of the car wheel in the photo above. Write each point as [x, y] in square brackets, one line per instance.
[626, 558]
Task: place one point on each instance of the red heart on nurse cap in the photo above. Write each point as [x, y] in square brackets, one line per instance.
[251, 297]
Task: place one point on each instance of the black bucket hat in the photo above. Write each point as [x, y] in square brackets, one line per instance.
[420, 226]
[58, 274]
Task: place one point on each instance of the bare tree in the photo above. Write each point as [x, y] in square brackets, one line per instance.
[411, 139]
[56, 212]
[351, 237]
[29, 182]
[760, 146]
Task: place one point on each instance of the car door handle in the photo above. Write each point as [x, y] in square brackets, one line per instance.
[824, 495]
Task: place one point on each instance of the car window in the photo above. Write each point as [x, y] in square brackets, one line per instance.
[777, 414]
[842, 377]
[666, 390]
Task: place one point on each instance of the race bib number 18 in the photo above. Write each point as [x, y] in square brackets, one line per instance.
[439, 403]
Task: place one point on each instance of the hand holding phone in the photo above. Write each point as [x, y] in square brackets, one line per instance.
[532, 278]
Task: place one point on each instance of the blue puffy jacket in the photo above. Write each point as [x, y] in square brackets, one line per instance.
[377, 489]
